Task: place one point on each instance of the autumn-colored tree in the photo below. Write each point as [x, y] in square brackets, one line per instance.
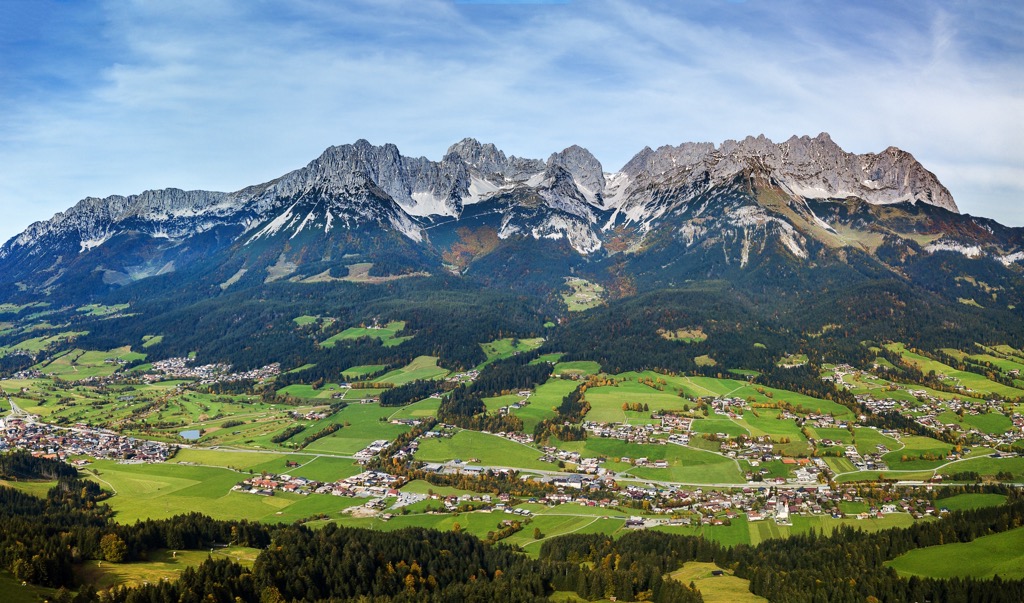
[114, 548]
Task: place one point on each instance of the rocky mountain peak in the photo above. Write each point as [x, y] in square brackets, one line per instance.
[586, 170]
[813, 168]
[485, 158]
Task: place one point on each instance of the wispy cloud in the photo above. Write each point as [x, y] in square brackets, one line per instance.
[223, 94]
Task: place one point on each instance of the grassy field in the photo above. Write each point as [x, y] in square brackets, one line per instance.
[14, 592]
[362, 425]
[422, 367]
[162, 565]
[716, 424]
[38, 344]
[993, 422]
[300, 390]
[101, 310]
[417, 410]
[687, 465]
[913, 448]
[606, 402]
[505, 348]
[582, 294]
[81, 364]
[971, 381]
[715, 589]
[489, 449]
[543, 401]
[691, 335]
[999, 554]
[578, 368]
[561, 521]
[35, 488]
[988, 466]
[356, 372]
[159, 491]
[735, 533]
[823, 524]
[961, 502]
[387, 334]
[793, 360]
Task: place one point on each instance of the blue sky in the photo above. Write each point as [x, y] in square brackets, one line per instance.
[101, 98]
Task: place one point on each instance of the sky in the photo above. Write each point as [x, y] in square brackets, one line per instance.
[102, 98]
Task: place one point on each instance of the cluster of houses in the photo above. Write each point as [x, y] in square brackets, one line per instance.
[525, 401]
[365, 485]
[180, 368]
[926, 409]
[371, 450]
[868, 461]
[586, 465]
[62, 442]
[634, 434]
[466, 377]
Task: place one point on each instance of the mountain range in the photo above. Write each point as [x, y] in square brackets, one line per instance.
[697, 210]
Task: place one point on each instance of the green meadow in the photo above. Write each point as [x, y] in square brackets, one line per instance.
[15, 592]
[986, 557]
[726, 588]
[161, 565]
[422, 367]
[685, 464]
[356, 372]
[417, 410]
[577, 368]
[508, 347]
[971, 381]
[101, 310]
[913, 448]
[962, 502]
[157, 491]
[387, 334]
[488, 449]
[362, 424]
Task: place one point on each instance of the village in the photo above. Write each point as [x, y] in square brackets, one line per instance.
[926, 407]
[66, 442]
[179, 368]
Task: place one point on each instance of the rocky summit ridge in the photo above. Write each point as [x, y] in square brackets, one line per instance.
[799, 193]
[470, 171]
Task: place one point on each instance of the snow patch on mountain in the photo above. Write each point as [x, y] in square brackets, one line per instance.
[274, 225]
[579, 236]
[479, 189]
[427, 204]
[1012, 258]
[971, 251]
[87, 244]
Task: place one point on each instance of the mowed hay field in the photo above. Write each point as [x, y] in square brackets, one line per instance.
[999, 554]
[716, 589]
